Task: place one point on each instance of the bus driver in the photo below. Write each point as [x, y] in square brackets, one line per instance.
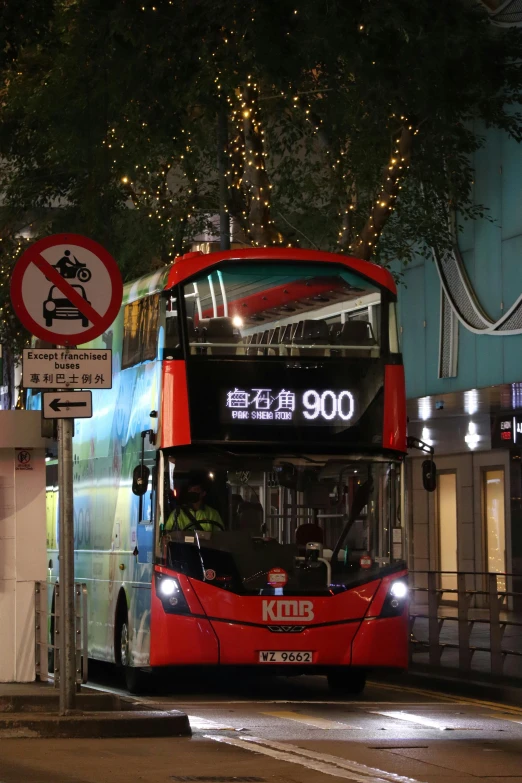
[195, 514]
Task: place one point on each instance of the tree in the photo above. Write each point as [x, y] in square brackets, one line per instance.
[394, 92]
[24, 24]
[351, 125]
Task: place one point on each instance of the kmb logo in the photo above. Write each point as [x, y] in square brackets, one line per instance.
[284, 610]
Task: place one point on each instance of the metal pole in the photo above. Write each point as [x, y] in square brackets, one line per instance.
[495, 628]
[433, 620]
[68, 624]
[59, 606]
[463, 623]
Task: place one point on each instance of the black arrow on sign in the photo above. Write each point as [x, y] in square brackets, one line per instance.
[55, 405]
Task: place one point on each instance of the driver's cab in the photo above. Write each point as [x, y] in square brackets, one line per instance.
[319, 521]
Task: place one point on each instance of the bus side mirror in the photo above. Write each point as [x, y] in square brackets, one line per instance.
[140, 479]
[429, 475]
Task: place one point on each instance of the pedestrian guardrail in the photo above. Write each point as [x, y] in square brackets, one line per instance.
[49, 632]
[466, 620]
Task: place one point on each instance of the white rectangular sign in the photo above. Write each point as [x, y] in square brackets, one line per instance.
[67, 405]
[67, 368]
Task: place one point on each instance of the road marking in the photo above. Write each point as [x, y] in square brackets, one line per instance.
[351, 703]
[204, 724]
[454, 699]
[320, 762]
[431, 724]
[504, 717]
[310, 720]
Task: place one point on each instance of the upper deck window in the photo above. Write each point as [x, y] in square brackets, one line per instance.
[140, 331]
[286, 309]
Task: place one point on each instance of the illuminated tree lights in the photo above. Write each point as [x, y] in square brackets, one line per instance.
[317, 151]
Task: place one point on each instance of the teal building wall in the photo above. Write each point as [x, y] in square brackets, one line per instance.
[492, 253]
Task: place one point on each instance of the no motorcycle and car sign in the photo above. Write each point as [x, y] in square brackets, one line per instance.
[66, 289]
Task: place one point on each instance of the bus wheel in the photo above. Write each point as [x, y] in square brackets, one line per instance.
[347, 682]
[136, 680]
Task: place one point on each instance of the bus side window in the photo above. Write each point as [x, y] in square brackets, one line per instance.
[169, 317]
[140, 331]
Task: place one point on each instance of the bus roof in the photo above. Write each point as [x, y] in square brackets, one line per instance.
[190, 264]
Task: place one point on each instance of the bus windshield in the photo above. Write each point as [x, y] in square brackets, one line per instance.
[282, 309]
[316, 521]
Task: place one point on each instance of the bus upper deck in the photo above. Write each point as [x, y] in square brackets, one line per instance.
[253, 341]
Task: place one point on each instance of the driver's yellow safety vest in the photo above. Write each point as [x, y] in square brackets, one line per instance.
[179, 519]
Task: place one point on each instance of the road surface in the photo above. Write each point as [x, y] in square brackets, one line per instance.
[277, 730]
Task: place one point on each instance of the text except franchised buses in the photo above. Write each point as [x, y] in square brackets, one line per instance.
[67, 356]
[71, 368]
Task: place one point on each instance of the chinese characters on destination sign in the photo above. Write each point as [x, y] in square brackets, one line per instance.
[287, 406]
[67, 368]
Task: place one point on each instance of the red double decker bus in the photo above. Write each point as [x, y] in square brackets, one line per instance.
[245, 471]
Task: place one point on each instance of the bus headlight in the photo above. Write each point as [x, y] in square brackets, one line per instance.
[396, 599]
[168, 587]
[399, 589]
[169, 592]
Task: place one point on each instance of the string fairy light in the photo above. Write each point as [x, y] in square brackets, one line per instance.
[386, 200]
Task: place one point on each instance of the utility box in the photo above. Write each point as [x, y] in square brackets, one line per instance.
[22, 539]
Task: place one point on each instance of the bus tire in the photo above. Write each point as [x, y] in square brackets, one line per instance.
[347, 681]
[136, 680]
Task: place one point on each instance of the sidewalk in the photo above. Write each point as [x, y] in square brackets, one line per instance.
[25, 688]
[31, 710]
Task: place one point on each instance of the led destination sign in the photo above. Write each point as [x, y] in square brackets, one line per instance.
[321, 407]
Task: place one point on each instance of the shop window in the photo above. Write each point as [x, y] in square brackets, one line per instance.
[495, 523]
[447, 517]
[140, 331]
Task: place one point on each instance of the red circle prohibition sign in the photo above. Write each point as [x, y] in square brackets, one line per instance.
[99, 321]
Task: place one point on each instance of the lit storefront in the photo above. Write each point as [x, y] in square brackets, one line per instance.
[472, 521]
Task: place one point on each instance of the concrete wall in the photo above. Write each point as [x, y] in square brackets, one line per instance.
[22, 539]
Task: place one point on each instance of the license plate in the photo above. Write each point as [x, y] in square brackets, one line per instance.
[285, 656]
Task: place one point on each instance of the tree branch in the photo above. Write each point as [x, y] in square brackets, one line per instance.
[392, 176]
[255, 178]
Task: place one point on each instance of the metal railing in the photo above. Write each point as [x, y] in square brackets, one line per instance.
[49, 632]
[465, 620]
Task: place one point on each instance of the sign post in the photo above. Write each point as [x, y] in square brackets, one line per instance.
[66, 525]
[66, 314]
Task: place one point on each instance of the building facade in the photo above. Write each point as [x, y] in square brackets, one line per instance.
[461, 338]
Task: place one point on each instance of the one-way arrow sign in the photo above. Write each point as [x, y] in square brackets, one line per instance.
[67, 405]
[58, 404]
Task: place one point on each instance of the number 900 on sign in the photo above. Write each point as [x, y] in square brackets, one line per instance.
[328, 405]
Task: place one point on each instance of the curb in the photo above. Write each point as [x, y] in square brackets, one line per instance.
[97, 715]
[94, 725]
